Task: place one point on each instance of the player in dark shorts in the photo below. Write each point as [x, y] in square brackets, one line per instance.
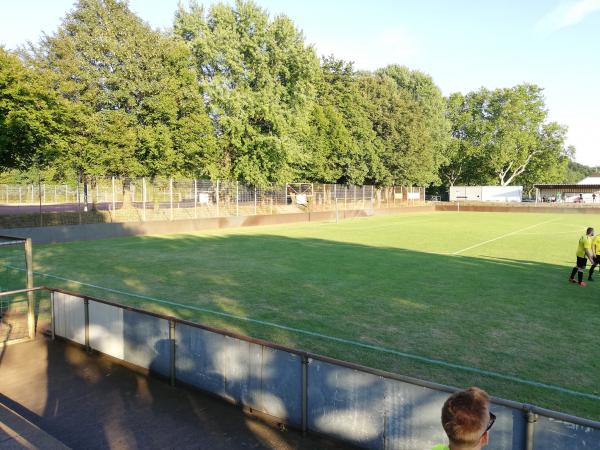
[584, 252]
[595, 252]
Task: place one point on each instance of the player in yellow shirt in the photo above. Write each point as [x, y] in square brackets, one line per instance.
[596, 253]
[584, 252]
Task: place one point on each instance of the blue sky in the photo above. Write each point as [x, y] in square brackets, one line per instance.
[463, 45]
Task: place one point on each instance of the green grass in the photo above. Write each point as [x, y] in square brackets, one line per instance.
[395, 282]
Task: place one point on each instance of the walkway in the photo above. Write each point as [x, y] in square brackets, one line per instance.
[92, 402]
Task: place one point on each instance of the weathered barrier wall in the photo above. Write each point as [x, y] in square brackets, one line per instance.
[518, 208]
[358, 405]
[67, 233]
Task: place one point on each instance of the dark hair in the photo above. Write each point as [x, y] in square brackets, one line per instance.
[589, 231]
[465, 416]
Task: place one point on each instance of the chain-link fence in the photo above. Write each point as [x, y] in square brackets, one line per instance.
[143, 199]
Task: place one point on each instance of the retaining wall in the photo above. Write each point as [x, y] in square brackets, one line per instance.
[67, 233]
[522, 208]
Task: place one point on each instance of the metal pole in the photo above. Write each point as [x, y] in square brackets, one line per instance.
[86, 306]
[337, 214]
[40, 196]
[171, 195]
[78, 200]
[237, 198]
[255, 192]
[304, 393]
[144, 198]
[113, 194]
[531, 420]
[172, 352]
[52, 316]
[372, 198]
[363, 196]
[218, 187]
[195, 199]
[30, 295]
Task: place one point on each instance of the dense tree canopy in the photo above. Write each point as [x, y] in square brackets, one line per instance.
[234, 93]
[32, 117]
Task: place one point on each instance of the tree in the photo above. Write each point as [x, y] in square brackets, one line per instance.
[341, 142]
[400, 123]
[424, 91]
[501, 136]
[258, 78]
[32, 117]
[464, 154]
[138, 107]
[550, 163]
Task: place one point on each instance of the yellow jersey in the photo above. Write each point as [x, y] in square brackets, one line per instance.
[585, 243]
[596, 244]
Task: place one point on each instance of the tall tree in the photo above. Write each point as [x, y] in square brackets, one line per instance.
[139, 107]
[258, 77]
[342, 144]
[501, 136]
[428, 95]
[400, 123]
[32, 117]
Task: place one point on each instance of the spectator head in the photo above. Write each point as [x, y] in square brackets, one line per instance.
[467, 419]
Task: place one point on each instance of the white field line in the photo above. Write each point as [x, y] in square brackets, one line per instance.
[377, 348]
[512, 233]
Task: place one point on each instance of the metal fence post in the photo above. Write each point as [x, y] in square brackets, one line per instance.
[218, 187]
[172, 352]
[52, 316]
[86, 306]
[304, 393]
[171, 195]
[113, 194]
[237, 198]
[255, 193]
[195, 199]
[30, 296]
[531, 419]
[144, 198]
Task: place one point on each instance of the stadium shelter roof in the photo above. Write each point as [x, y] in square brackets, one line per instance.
[569, 188]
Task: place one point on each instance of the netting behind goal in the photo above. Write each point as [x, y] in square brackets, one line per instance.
[13, 266]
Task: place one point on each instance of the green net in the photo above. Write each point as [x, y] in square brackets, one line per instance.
[13, 267]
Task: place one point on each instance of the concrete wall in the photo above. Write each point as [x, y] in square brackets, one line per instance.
[68, 233]
[522, 208]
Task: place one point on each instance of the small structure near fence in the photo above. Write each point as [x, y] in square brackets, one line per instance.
[500, 194]
[568, 193]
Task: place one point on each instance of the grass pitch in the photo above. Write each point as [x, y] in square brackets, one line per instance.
[413, 294]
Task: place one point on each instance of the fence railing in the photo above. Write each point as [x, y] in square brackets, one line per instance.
[126, 200]
[359, 405]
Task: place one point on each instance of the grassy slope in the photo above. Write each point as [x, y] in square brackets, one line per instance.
[391, 281]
